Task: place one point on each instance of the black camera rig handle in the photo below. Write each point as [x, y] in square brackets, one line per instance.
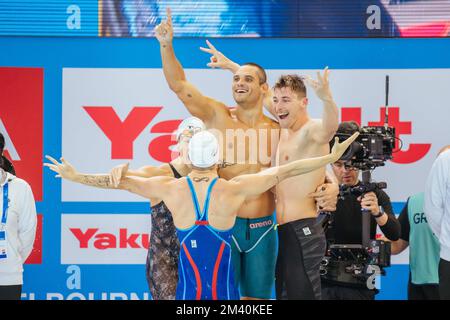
[366, 178]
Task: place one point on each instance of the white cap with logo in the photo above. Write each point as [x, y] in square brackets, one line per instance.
[203, 150]
[191, 124]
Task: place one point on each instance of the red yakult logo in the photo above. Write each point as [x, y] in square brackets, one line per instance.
[122, 134]
[93, 237]
[104, 238]
[21, 97]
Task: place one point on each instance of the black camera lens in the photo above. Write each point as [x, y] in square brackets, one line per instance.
[353, 150]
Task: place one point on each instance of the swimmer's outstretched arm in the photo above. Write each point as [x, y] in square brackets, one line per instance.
[198, 105]
[67, 171]
[255, 184]
[156, 187]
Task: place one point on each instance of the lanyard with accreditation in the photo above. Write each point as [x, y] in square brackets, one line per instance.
[3, 252]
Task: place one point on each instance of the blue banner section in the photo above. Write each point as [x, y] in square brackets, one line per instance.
[85, 282]
[394, 285]
[56, 53]
[51, 279]
[49, 18]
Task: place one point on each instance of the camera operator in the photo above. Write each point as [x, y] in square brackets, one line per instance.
[346, 227]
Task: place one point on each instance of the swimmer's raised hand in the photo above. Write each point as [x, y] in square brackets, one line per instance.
[218, 59]
[164, 30]
[321, 86]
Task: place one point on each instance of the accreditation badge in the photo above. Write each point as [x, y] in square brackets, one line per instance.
[3, 251]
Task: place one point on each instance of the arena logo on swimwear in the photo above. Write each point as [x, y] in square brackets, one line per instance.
[260, 224]
[104, 238]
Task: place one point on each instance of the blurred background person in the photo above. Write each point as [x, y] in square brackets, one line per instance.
[424, 249]
[437, 211]
[17, 228]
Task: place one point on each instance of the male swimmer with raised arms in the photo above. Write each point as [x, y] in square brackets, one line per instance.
[301, 239]
[254, 249]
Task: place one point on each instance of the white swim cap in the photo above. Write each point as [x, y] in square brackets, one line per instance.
[191, 124]
[203, 150]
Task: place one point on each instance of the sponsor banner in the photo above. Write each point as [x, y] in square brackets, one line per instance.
[127, 115]
[104, 238]
[119, 115]
[21, 110]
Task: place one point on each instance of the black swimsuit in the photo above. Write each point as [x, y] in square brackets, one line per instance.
[164, 248]
[301, 248]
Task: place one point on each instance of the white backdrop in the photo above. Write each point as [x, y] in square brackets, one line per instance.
[421, 94]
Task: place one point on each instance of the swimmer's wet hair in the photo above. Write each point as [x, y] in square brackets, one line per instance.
[261, 72]
[292, 81]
